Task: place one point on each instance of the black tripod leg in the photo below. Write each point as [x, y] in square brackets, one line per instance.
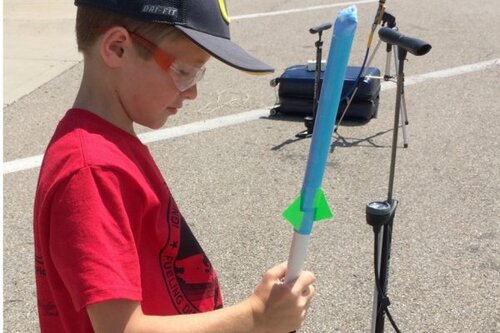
[383, 251]
[383, 277]
[309, 121]
[380, 215]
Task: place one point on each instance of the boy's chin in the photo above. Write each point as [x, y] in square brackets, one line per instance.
[161, 123]
[154, 125]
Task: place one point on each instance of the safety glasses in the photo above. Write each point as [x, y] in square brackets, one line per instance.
[183, 75]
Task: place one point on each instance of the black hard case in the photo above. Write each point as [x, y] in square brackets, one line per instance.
[296, 92]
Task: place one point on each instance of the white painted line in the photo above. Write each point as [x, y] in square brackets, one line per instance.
[202, 126]
[153, 136]
[442, 74]
[22, 164]
[455, 71]
[299, 10]
[206, 125]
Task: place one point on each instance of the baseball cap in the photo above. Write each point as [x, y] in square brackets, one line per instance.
[205, 22]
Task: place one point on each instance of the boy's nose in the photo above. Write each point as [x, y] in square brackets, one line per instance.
[191, 93]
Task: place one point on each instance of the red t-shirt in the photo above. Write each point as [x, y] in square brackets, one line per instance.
[106, 227]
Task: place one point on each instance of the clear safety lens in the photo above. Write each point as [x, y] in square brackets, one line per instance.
[185, 76]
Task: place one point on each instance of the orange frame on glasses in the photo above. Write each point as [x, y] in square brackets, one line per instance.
[162, 58]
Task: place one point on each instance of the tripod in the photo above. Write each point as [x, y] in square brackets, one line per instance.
[390, 21]
[380, 214]
[309, 121]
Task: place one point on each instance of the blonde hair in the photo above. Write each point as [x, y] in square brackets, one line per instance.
[92, 22]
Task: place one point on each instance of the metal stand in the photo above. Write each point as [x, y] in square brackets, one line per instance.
[309, 121]
[390, 21]
[380, 214]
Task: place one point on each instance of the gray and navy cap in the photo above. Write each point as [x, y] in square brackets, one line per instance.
[205, 22]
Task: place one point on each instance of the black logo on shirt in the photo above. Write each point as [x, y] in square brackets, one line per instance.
[189, 277]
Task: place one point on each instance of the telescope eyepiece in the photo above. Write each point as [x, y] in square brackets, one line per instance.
[415, 46]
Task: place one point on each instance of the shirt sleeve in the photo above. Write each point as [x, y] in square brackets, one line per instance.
[92, 243]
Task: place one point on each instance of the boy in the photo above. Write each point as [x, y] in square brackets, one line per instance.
[112, 251]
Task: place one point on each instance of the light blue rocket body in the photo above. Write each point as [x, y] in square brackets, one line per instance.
[336, 66]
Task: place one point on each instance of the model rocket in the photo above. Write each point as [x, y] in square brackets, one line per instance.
[311, 205]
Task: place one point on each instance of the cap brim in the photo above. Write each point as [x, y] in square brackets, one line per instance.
[227, 51]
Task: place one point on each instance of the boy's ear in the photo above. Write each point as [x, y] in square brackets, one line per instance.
[114, 43]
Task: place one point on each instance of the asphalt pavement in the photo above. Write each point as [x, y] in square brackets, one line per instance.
[233, 180]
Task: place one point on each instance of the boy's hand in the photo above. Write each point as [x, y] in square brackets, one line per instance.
[279, 307]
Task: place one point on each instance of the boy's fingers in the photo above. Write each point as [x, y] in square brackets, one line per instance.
[309, 290]
[304, 280]
[278, 271]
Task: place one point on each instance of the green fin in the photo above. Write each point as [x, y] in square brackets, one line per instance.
[322, 209]
[294, 214]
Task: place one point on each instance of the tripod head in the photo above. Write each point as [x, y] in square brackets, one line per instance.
[388, 19]
[320, 28]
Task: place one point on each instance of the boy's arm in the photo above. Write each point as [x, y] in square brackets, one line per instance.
[126, 316]
[273, 307]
